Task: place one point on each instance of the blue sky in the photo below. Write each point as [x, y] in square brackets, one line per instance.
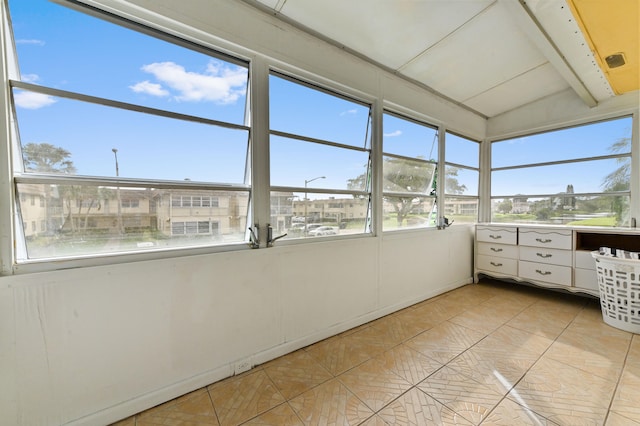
[98, 58]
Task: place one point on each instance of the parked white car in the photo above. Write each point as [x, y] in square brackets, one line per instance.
[323, 230]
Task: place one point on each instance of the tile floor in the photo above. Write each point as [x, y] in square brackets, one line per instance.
[490, 353]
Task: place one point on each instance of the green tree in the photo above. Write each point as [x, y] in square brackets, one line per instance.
[620, 178]
[46, 158]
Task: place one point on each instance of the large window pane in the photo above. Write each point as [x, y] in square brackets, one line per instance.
[409, 212]
[295, 161]
[579, 177]
[461, 209]
[145, 127]
[460, 181]
[563, 209]
[409, 167]
[408, 138]
[318, 215]
[148, 146]
[403, 175]
[462, 151]
[95, 57]
[301, 110]
[593, 140]
[85, 219]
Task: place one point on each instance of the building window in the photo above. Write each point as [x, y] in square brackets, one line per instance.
[575, 176]
[410, 158]
[461, 179]
[168, 119]
[320, 151]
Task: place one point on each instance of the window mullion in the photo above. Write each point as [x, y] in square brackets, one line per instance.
[259, 147]
[7, 254]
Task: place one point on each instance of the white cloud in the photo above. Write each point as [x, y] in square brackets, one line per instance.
[30, 78]
[30, 41]
[31, 100]
[393, 134]
[219, 83]
[149, 88]
[349, 112]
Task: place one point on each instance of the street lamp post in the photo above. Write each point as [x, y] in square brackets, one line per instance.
[120, 230]
[306, 182]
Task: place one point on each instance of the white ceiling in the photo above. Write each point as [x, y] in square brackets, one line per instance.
[489, 55]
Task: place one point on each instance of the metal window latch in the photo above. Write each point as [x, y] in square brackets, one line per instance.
[254, 237]
[270, 239]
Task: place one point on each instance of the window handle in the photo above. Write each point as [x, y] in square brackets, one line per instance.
[270, 239]
[254, 239]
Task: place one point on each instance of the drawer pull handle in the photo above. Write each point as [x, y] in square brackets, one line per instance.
[496, 264]
[544, 256]
[495, 237]
[543, 240]
[543, 273]
[496, 250]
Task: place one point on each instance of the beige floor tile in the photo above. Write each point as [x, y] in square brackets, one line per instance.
[539, 320]
[626, 401]
[481, 318]
[423, 317]
[282, 415]
[416, 408]
[373, 384]
[296, 373]
[513, 340]
[598, 353]
[383, 335]
[633, 359]
[508, 413]
[374, 421]
[408, 363]
[445, 341]
[241, 398]
[615, 419]
[461, 394]
[560, 393]
[130, 421]
[330, 403]
[193, 409]
[399, 327]
[470, 295]
[499, 369]
[341, 354]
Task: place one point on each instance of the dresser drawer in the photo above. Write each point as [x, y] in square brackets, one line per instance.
[557, 239]
[498, 250]
[542, 272]
[546, 255]
[497, 235]
[497, 264]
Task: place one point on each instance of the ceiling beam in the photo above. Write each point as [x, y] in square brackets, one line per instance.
[536, 33]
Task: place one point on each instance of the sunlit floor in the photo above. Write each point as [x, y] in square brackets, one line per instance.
[490, 353]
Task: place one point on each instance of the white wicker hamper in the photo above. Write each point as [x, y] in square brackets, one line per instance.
[619, 284]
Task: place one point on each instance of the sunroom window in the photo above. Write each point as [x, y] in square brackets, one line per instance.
[409, 170]
[320, 153]
[576, 176]
[461, 179]
[134, 140]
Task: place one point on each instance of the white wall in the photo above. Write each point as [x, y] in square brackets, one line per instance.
[95, 344]
[91, 345]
